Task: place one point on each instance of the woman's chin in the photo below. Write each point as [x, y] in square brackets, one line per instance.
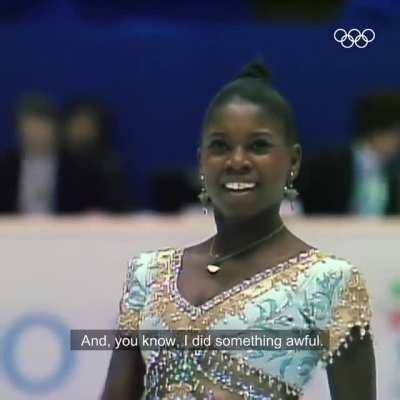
[238, 213]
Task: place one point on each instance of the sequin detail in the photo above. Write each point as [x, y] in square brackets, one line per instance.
[132, 298]
[293, 294]
[189, 374]
[195, 311]
[352, 310]
[175, 312]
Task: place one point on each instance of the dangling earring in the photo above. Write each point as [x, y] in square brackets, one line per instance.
[289, 191]
[203, 196]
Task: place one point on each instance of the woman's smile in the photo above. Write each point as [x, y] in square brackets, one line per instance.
[240, 189]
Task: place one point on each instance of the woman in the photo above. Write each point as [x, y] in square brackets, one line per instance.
[253, 274]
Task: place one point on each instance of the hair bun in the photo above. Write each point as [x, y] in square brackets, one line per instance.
[256, 70]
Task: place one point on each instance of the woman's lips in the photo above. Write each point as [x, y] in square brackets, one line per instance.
[238, 191]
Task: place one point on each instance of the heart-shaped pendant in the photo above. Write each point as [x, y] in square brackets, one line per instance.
[212, 269]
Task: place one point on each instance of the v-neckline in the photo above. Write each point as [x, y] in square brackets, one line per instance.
[196, 310]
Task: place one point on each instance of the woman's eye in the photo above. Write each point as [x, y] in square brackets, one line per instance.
[260, 146]
[218, 145]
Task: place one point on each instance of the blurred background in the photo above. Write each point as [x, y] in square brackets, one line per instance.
[101, 107]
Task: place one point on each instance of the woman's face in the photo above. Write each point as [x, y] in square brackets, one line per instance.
[245, 160]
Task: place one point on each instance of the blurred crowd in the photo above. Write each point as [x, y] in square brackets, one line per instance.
[363, 178]
[65, 163]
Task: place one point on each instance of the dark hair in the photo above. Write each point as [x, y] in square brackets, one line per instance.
[253, 85]
[36, 104]
[377, 111]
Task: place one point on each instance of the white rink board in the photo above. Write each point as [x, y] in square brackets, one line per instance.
[61, 274]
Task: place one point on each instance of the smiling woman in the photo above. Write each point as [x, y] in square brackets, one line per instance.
[242, 146]
[254, 274]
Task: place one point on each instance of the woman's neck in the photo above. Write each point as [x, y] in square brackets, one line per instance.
[233, 234]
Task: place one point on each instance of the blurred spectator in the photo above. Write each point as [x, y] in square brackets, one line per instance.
[358, 179]
[41, 178]
[28, 177]
[94, 178]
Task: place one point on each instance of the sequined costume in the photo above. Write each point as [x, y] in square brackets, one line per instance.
[313, 289]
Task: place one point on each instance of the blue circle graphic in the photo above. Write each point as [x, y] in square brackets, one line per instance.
[10, 344]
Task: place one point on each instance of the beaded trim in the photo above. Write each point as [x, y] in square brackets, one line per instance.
[174, 312]
[252, 380]
[129, 319]
[353, 309]
[196, 311]
[206, 372]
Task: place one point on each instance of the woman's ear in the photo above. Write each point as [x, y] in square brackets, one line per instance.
[296, 156]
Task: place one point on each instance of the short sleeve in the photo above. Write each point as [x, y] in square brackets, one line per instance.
[351, 307]
[334, 298]
[134, 292]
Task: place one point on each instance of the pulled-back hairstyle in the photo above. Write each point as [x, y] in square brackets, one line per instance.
[253, 85]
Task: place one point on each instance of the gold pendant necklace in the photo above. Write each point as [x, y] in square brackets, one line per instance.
[214, 267]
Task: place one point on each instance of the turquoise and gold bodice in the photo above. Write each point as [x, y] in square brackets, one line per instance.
[313, 290]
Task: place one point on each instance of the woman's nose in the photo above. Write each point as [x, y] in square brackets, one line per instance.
[239, 159]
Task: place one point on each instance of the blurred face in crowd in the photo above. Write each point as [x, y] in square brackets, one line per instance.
[81, 130]
[38, 133]
[244, 144]
[386, 143]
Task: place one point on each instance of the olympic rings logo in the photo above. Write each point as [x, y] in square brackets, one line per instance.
[354, 37]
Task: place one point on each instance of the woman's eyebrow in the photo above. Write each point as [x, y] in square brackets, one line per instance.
[262, 133]
[254, 133]
[217, 133]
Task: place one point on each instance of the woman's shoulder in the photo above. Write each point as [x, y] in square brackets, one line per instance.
[137, 283]
[147, 258]
[334, 276]
[142, 263]
[328, 262]
[339, 292]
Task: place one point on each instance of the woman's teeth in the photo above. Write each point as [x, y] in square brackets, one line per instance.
[237, 186]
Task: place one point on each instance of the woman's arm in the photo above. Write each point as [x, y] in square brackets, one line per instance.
[125, 376]
[352, 375]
